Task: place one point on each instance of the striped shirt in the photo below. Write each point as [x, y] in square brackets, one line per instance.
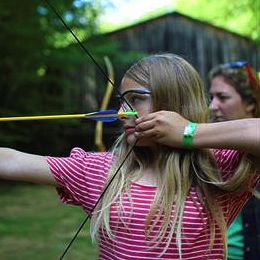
[81, 177]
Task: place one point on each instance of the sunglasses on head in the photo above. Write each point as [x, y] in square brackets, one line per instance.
[241, 64]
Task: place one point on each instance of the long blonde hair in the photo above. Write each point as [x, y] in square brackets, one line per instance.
[175, 86]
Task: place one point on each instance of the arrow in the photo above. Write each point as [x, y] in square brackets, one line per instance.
[103, 116]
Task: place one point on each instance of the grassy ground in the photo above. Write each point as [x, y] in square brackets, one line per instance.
[34, 224]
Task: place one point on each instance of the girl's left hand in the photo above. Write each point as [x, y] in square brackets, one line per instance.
[164, 127]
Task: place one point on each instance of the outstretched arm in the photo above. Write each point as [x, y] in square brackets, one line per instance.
[18, 166]
[167, 128]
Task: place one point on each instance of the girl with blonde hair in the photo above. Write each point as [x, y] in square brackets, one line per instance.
[172, 183]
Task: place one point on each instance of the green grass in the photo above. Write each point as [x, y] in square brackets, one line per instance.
[34, 224]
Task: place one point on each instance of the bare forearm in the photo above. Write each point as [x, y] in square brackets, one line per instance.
[239, 134]
[18, 166]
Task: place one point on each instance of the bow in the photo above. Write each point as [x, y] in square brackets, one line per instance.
[118, 92]
[99, 125]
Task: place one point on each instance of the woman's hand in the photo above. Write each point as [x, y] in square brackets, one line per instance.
[164, 127]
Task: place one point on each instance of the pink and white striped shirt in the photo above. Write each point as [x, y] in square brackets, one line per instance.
[81, 177]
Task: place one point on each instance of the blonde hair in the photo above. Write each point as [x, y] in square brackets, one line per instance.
[175, 86]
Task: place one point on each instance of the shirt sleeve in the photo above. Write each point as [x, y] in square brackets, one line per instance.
[81, 176]
[228, 161]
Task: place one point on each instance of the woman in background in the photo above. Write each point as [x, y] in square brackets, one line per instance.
[235, 94]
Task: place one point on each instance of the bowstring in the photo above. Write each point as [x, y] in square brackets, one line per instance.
[130, 150]
[100, 197]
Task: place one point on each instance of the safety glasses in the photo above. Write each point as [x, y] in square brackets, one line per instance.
[133, 98]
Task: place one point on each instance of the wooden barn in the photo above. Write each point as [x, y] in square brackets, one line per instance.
[204, 45]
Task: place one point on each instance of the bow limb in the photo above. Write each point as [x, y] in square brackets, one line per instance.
[100, 146]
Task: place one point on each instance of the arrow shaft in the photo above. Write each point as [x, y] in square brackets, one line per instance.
[94, 115]
[23, 118]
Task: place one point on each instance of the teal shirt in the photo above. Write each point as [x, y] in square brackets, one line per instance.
[236, 239]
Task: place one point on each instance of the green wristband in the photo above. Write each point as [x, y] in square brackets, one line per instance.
[188, 134]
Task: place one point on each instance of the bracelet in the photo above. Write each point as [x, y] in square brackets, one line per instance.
[188, 134]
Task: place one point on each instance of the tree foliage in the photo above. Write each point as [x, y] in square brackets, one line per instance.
[35, 66]
[242, 17]
[44, 71]
[238, 16]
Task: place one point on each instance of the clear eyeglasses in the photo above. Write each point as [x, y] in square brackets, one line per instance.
[133, 99]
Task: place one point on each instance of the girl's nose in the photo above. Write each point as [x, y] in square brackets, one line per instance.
[123, 115]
